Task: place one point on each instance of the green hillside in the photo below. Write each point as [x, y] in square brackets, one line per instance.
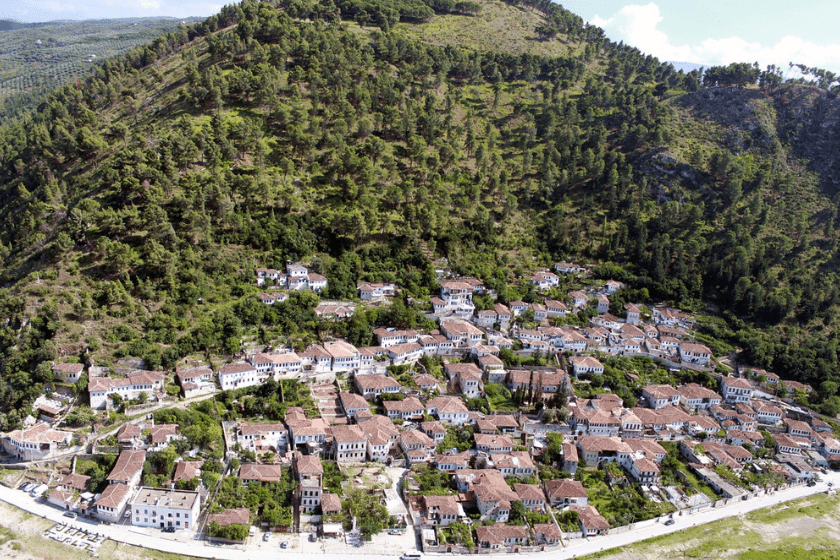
[35, 58]
[135, 207]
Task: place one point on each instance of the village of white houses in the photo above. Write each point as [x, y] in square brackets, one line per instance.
[498, 426]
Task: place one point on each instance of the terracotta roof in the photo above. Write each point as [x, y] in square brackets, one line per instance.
[407, 348]
[737, 382]
[63, 495]
[498, 534]
[240, 367]
[550, 530]
[330, 503]
[458, 326]
[564, 488]
[249, 428]
[598, 444]
[407, 405]
[309, 464]
[129, 431]
[529, 492]
[446, 505]
[340, 349]
[347, 434]
[129, 463]
[113, 496]
[376, 381]
[570, 452]
[40, 433]
[186, 470]
[425, 380]
[262, 473]
[161, 432]
[590, 517]
[448, 405]
[416, 437]
[238, 516]
[68, 368]
[585, 361]
[352, 401]
[75, 481]
[492, 440]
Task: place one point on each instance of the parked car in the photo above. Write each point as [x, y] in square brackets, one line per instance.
[169, 529]
[266, 536]
[284, 544]
[70, 514]
[670, 522]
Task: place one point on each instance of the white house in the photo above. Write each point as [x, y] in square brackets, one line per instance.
[735, 390]
[111, 503]
[69, 373]
[695, 353]
[461, 332]
[448, 409]
[238, 375]
[41, 441]
[586, 364]
[129, 387]
[345, 356]
[154, 507]
[375, 291]
[349, 444]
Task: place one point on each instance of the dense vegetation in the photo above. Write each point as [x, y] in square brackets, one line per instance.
[135, 205]
[35, 58]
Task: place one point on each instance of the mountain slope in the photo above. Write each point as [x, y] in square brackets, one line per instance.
[35, 58]
[134, 207]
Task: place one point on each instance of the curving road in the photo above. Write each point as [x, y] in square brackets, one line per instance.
[181, 543]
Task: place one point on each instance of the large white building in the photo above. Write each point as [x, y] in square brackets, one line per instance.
[735, 390]
[154, 507]
[349, 444]
[345, 356]
[239, 375]
[129, 387]
[41, 441]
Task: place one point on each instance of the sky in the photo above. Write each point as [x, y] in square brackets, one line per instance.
[707, 32]
[719, 32]
[48, 10]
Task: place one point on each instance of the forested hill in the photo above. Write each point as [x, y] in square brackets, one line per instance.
[134, 206]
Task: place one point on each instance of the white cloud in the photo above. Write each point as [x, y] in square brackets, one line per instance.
[149, 4]
[637, 26]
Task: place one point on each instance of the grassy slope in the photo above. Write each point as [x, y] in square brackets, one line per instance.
[499, 27]
[802, 529]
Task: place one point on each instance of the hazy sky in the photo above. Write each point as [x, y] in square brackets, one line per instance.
[702, 31]
[722, 31]
[47, 10]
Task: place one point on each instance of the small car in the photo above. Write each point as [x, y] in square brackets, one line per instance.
[266, 536]
[284, 544]
[169, 529]
[70, 514]
[670, 522]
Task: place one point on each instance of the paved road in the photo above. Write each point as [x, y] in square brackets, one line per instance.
[181, 543]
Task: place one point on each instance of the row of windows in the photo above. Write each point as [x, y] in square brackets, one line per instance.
[146, 512]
